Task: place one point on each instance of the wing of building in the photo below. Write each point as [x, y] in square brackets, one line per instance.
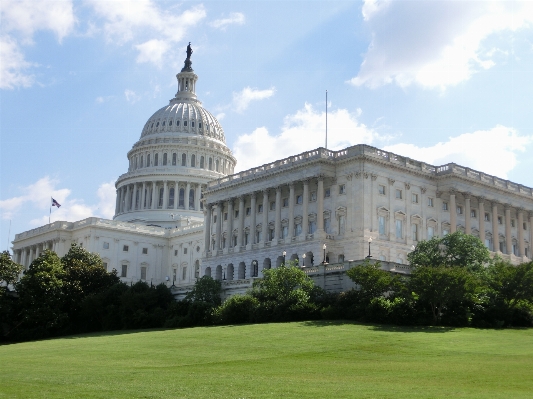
[182, 213]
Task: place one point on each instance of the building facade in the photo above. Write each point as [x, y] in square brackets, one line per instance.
[182, 213]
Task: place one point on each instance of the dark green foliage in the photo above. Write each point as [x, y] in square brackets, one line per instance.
[9, 271]
[452, 250]
[237, 309]
[206, 290]
[371, 280]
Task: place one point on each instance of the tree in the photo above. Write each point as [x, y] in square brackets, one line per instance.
[372, 281]
[452, 250]
[9, 270]
[440, 286]
[511, 284]
[206, 290]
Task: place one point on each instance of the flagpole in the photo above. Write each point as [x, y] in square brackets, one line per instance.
[326, 119]
[50, 210]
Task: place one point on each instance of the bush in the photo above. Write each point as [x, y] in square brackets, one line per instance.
[237, 310]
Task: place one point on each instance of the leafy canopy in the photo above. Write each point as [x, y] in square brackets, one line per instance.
[9, 270]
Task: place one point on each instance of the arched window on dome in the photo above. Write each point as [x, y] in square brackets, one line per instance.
[141, 161]
[156, 160]
[183, 159]
[161, 192]
[170, 123]
[191, 198]
[202, 162]
[174, 157]
[164, 159]
[193, 161]
[177, 123]
[223, 166]
[184, 123]
[135, 162]
[147, 160]
[171, 198]
[210, 163]
[192, 123]
[199, 125]
[164, 123]
[217, 165]
[181, 203]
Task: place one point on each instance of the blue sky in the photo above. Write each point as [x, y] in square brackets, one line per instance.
[437, 81]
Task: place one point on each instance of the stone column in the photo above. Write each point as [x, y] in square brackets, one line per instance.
[468, 220]
[265, 215]
[481, 219]
[531, 234]
[495, 234]
[153, 195]
[277, 231]
[165, 194]
[218, 226]
[127, 202]
[320, 205]
[176, 194]
[207, 228]
[117, 203]
[241, 221]
[453, 213]
[392, 221]
[229, 241]
[23, 257]
[143, 195]
[508, 236]
[187, 193]
[305, 210]
[291, 211]
[520, 227]
[197, 196]
[253, 211]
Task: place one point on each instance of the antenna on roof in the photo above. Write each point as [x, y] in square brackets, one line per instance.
[326, 119]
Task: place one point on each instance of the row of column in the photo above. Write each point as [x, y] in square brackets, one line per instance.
[26, 255]
[150, 197]
[229, 204]
[521, 214]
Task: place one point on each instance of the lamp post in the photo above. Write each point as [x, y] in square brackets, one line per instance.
[324, 248]
[284, 254]
[224, 279]
[369, 242]
[303, 260]
[254, 266]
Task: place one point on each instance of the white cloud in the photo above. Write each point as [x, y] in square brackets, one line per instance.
[220, 116]
[103, 99]
[302, 131]
[131, 96]
[242, 99]
[491, 151]
[37, 196]
[434, 44]
[153, 29]
[236, 18]
[20, 20]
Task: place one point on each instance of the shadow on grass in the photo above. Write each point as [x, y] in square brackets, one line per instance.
[380, 327]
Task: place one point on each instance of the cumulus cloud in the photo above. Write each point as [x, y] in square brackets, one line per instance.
[236, 18]
[20, 20]
[491, 151]
[434, 44]
[242, 99]
[131, 96]
[152, 29]
[302, 131]
[37, 196]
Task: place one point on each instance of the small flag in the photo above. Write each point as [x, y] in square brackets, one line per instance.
[55, 203]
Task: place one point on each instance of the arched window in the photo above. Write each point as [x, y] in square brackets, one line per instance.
[156, 160]
[141, 161]
[147, 160]
[174, 156]
[191, 198]
[193, 160]
[183, 159]
[184, 123]
[171, 198]
[135, 163]
[210, 163]
[192, 123]
[164, 158]
[181, 203]
[202, 163]
[217, 164]
[161, 191]
[177, 123]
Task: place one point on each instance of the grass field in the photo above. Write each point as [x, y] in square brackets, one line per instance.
[293, 360]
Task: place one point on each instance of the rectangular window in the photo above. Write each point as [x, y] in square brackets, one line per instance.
[285, 202]
[284, 231]
[297, 230]
[185, 251]
[105, 265]
[399, 229]
[431, 233]
[381, 190]
[342, 189]
[124, 272]
[415, 198]
[381, 223]
[524, 225]
[312, 227]
[246, 238]
[487, 217]
[512, 222]
[273, 205]
[488, 244]
[459, 210]
[501, 247]
[398, 194]
[473, 213]
[260, 208]
[145, 251]
[175, 252]
[125, 248]
[143, 273]
[106, 245]
[327, 225]
[327, 192]
[444, 206]
[184, 274]
[414, 232]
[312, 196]
[299, 199]
[236, 214]
[225, 215]
[248, 211]
[500, 220]
[214, 218]
[430, 202]
[271, 234]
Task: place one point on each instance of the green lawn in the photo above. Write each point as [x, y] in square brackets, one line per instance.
[293, 360]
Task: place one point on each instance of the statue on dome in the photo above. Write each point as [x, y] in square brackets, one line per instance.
[189, 51]
[188, 63]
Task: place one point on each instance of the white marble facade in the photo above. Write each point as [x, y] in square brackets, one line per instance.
[181, 213]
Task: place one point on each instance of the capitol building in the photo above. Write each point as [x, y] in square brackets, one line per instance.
[182, 213]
